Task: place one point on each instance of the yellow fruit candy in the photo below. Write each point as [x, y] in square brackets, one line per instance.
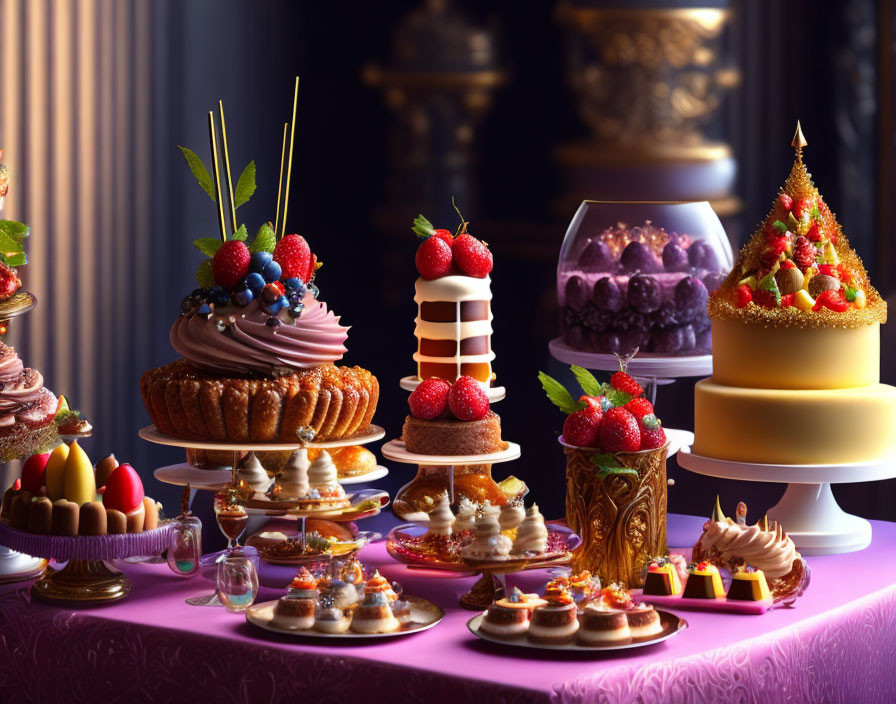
[55, 472]
[749, 281]
[80, 481]
[802, 300]
[860, 301]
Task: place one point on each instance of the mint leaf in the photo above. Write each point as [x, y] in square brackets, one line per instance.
[16, 230]
[245, 187]
[558, 395]
[204, 274]
[650, 421]
[422, 227]
[265, 239]
[615, 396]
[590, 385]
[17, 259]
[850, 293]
[241, 234]
[769, 284]
[607, 464]
[200, 173]
[209, 246]
[11, 250]
[780, 226]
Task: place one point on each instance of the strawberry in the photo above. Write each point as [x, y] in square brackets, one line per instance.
[788, 264]
[472, 256]
[787, 300]
[786, 201]
[433, 258]
[596, 403]
[776, 246]
[804, 253]
[582, 427]
[652, 433]
[430, 399]
[623, 382]
[827, 269]
[467, 400]
[764, 298]
[9, 281]
[833, 300]
[619, 431]
[231, 263]
[802, 205]
[639, 407]
[424, 229]
[813, 233]
[744, 296]
[294, 256]
[445, 235]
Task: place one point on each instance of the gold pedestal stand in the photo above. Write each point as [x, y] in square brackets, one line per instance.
[82, 581]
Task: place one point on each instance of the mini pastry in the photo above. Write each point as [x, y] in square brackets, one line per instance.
[502, 621]
[104, 468]
[584, 588]
[512, 516]
[557, 621]
[616, 596]
[328, 618]
[54, 473]
[466, 515]
[293, 480]
[40, 517]
[294, 612]
[344, 596]
[601, 624]
[92, 518]
[441, 519]
[401, 607]
[374, 614]
[353, 461]
[18, 512]
[116, 522]
[352, 573]
[80, 483]
[662, 580]
[488, 543]
[704, 582]
[65, 517]
[253, 474]
[747, 584]
[643, 621]
[532, 535]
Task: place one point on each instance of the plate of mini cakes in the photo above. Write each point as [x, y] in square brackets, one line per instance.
[345, 607]
[560, 621]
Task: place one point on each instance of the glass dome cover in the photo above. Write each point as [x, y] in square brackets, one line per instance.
[638, 274]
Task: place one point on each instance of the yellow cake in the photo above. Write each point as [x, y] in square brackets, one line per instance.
[796, 345]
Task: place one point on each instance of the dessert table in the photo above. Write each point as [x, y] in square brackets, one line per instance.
[835, 645]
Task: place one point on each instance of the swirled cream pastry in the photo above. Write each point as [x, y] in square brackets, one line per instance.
[294, 483]
[252, 473]
[441, 519]
[532, 535]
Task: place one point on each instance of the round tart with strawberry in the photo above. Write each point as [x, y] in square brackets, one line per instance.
[258, 349]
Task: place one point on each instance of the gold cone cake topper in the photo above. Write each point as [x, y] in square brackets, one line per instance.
[717, 514]
[797, 269]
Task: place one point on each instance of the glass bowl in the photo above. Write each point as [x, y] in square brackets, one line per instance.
[638, 274]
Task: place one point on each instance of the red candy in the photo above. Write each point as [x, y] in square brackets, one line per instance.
[786, 201]
[33, 473]
[744, 295]
[832, 300]
[124, 490]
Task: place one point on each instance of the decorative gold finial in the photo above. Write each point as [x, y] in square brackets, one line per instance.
[717, 515]
[799, 141]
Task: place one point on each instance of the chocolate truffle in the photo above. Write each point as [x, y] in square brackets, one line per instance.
[65, 517]
[104, 468]
[40, 518]
[116, 522]
[18, 512]
[151, 519]
[92, 520]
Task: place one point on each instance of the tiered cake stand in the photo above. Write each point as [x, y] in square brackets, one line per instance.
[808, 509]
[363, 504]
[15, 566]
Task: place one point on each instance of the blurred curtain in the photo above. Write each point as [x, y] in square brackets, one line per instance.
[75, 88]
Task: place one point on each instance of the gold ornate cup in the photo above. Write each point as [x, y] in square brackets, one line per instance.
[617, 504]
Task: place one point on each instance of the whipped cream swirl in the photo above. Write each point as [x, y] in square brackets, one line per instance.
[235, 340]
[767, 550]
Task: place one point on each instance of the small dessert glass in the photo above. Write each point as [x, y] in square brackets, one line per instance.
[237, 582]
[185, 546]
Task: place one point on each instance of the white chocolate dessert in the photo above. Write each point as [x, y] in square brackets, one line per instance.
[796, 345]
[532, 535]
[466, 515]
[441, 520]
[253, 474]
[512, 515]
[488, 543]
[293, 481]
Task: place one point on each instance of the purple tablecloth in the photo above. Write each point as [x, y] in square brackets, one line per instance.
[837, 645]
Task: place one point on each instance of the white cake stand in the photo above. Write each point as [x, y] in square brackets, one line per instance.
[808, 510]
[654, 369]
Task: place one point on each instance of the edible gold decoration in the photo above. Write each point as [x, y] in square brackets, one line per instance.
[621, 517]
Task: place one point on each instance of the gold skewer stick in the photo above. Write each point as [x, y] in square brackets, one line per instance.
[292, 136]
[214, 143]
[280, 182]
[227, 167]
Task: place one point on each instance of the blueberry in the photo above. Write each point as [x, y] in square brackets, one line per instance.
[644, 293]
[577, 293]
[596, 257]
[259, 261]
[690, 296]
[637, 257]
[296, 310]
[271, 271]
[186, 305]
[607, 295]
[254, 282]
[713, 280]
[675, 258]
[701, 256]
[204, 309]
[292, 283]
[313, 290]
[283, 302]
[243, 297]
